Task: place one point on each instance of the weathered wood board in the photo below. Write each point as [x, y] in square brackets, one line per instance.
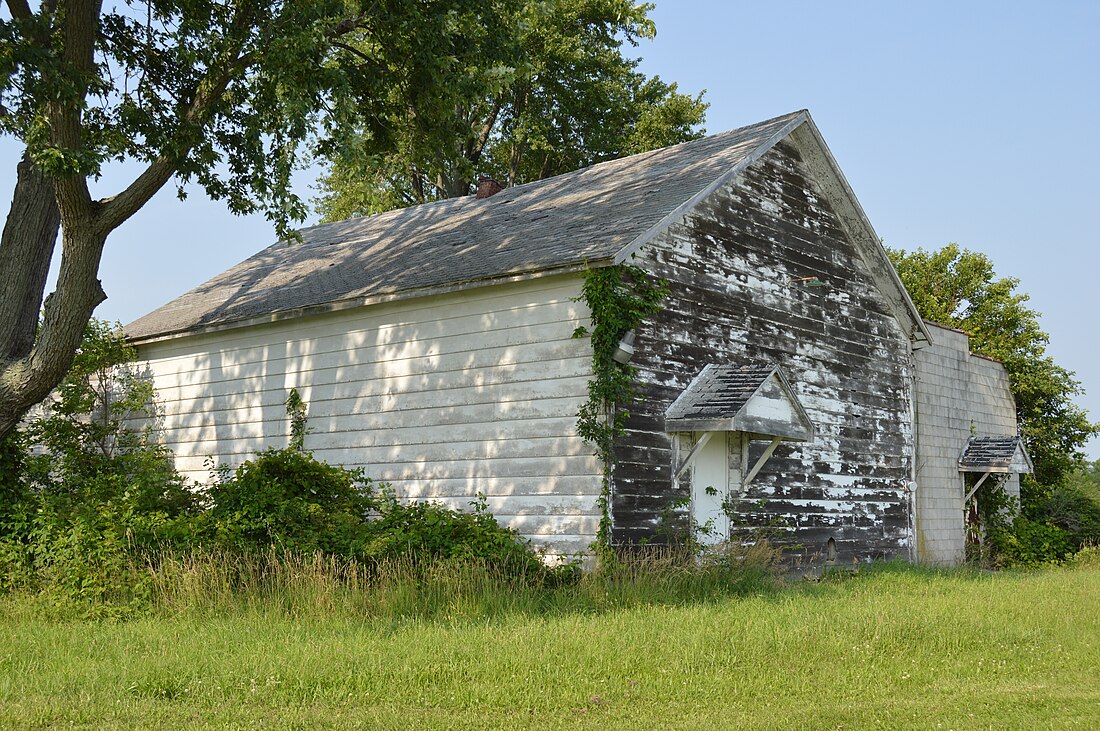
[740, 267]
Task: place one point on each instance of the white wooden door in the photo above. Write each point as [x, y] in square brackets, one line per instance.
[715, 480]
[709, 489]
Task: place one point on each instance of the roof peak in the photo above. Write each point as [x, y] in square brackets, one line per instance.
[585, 217]
[510, 193]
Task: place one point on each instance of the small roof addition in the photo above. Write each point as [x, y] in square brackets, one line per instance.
[995, 454]
[754, 398]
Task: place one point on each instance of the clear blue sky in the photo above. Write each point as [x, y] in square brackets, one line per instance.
[970, 122]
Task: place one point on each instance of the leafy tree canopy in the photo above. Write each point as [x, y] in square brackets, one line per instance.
[553, 94]
[220, 93]
[959, 288]
[227, 94]
[1088, 479]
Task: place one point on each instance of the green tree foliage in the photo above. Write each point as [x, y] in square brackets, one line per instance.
[1087, 479]
[94, 439]
[551, 94]
[228, 95]
[1074, 506]
[959, 288]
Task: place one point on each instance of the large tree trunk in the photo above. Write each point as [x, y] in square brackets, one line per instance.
[26, 248]
[26, 380]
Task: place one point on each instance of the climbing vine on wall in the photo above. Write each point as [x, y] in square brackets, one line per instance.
[296, 412]
[620, 297]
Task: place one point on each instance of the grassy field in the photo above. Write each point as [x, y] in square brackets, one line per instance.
[891, 648]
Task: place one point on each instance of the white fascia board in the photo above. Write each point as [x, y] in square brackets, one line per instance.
[854, 219]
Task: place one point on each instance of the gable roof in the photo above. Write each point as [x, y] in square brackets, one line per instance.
[595, 216]
[754, 398]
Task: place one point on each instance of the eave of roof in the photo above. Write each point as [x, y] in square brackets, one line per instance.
[589, 218]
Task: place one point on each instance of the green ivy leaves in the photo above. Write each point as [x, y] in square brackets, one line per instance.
[620, 298]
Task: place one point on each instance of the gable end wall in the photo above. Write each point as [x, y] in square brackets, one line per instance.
[733, 265]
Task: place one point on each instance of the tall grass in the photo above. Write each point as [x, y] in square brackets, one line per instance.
[292, 643]
[297, 585]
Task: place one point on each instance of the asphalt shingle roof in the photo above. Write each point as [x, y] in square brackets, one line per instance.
[989, 453]
[588, 215]
[719, 392]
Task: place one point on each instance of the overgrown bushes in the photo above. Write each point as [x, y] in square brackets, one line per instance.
[1027, 542]
[99, 544]
[288, 500]
[91, 505]
[1074, 507]
[1050, 530]
[95, 519]
[85, 486]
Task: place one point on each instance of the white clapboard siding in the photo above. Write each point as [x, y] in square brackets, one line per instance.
[362, 381]
[330, 414]
[351, 433]
[411, 358]
[444, 397]
[546, 487]
[334, 368]
[523, 474]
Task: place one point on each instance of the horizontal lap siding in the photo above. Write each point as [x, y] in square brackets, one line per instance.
[443, 397]
[730, 265]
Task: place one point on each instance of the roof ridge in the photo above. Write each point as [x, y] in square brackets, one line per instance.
[638, 156]
[563, 223]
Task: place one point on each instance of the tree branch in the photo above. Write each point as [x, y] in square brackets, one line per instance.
[115, 210]
[347, 25]
[486, 130]
[209, 92]
[355, 52]
[79, 31]
[19, 9]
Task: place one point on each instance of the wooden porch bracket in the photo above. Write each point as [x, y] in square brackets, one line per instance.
[692, 454]
[760, 462]
[976, 486]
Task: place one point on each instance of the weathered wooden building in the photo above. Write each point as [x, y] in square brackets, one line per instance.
[778, 385]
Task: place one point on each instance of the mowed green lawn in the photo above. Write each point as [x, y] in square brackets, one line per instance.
[893, 648]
